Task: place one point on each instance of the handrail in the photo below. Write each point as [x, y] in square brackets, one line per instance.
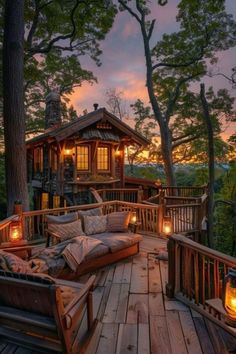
[196, 274]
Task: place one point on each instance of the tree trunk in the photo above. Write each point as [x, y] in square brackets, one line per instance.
[13, 106]
[211, 165]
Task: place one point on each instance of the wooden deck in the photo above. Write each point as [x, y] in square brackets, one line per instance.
[135, 317]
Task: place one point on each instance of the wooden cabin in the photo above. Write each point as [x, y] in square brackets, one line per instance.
[67, 159]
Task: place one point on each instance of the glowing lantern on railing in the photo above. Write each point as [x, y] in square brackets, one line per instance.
[133, 217]
[229, 297]
[15, 233]
[167, 225]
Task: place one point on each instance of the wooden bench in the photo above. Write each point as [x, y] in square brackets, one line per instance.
[34, 312]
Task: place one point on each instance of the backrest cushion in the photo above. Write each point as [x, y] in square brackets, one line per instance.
[10, 262]
[89, 212]
[62, 219]
[118, 221]
[67, 231]
[95, 224]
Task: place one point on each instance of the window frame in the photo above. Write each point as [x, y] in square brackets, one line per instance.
[108, 158]
[89, 158]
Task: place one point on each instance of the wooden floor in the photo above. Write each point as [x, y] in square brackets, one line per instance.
[135, 317]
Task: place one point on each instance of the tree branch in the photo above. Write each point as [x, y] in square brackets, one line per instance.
[129, 10]
[151, 29]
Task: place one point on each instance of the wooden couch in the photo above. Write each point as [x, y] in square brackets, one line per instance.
[43, 314]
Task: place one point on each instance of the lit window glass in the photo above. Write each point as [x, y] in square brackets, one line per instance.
[82, 158]
[102, 159]
[44, 201]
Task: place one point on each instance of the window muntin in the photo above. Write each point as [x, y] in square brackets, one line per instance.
[103, 158]
[82, 153]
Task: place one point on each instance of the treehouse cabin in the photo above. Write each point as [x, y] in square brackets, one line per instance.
[67, 159]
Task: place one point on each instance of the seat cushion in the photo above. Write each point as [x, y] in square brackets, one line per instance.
[98, 251]
[68, 230]
[118, 221]
[118, 241]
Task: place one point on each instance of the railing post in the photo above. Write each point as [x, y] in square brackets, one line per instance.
[140, 194]
[170, 286]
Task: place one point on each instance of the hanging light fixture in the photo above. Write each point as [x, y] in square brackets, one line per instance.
[229, 297]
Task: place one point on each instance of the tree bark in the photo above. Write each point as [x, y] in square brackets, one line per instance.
[211, 164]
[13, 105]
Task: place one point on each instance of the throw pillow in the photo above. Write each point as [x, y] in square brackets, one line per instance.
[61, 219]
[118, 221]
[89, 212]
[95, 224]
[10, 262]
[67, 231]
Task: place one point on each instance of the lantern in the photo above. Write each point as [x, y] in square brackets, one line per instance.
[158, 183]
[229, 297]
[167, 226]
[133, 217]
[16, 233]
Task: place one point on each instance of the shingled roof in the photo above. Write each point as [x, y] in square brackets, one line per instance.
[76, 126]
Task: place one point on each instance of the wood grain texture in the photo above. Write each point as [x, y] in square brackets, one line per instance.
[159, 335]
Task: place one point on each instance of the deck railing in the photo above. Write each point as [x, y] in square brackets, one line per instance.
[196, 191]
[34, 222]
[132, 195]
[196, 272]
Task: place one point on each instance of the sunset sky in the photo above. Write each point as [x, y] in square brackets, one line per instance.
[123, 65]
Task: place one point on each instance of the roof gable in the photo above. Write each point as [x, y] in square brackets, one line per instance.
[87, 120]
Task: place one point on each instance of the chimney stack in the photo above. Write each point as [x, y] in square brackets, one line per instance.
[95, 105]
[53, 110]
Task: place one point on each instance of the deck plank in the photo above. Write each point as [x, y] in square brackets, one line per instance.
[112, 304]
[154, 275]
[190, 335]
[108, 339]
[164, 275]
[123, 303]
[159, 336]
[127, 339]
[143, 339]
[156, 306]
[176, 336]
[203, 335]
[139, 277]
[137, 308]
[216, 338]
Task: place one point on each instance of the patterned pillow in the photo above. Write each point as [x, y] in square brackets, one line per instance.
[95, 224]
[10, 262]
[62, 219]
[118, 221]
[67, 231]
[90, 212]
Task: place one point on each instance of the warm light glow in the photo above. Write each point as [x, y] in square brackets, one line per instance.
[133, 218]
[167, 225]
[15, 231]
[118, 153]
[229, 299]
[68, 151]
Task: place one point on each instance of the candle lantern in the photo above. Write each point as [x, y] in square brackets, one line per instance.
[133, 217]
[15, 233]
[229, 297]
[167, 226]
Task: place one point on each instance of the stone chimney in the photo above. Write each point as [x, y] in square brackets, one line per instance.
[95, 106]
[53, 110]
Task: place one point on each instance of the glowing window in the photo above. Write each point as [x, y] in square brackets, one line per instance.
[103, 158]
[44, 201]
[56, 201]
[82, 158]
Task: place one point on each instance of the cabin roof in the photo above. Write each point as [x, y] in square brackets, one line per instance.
[71, 128]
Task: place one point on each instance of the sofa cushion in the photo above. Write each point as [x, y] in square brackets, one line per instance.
[10, 262]
[98, 251]
[67, 231]
[118, 241]
[118, 221]
[89, 212]
[62, 219]
[95, 224]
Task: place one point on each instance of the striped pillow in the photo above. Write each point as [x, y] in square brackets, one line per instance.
[67, 231]
[118, 221]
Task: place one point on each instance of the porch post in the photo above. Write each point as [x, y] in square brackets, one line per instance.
[170, 286]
